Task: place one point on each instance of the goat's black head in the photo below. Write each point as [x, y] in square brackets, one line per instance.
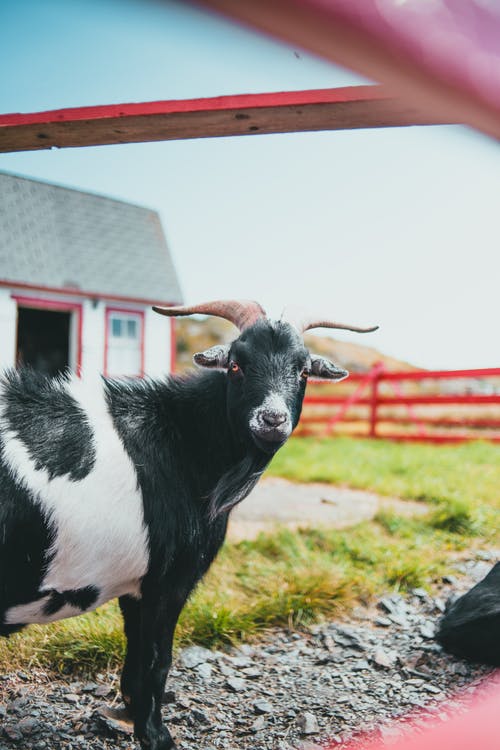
[267, 369]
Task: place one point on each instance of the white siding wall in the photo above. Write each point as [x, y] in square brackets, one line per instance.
[8, 329]
[93, 336]
[157, 343]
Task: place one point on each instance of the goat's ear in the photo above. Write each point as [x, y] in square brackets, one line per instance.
[323, 368]
[215, 357]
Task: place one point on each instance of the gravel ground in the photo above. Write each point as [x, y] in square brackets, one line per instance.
[291, 690]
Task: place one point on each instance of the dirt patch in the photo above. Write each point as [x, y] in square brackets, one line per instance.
[278, 502]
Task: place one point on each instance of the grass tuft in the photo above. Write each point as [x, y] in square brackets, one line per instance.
[83, 644]
[456, 517]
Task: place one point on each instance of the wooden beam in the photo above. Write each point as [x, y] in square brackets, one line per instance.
[246, 114]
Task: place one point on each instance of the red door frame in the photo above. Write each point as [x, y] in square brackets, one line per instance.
[56, 305]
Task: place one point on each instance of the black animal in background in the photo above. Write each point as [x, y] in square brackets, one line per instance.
[123, 488]
[470, 627]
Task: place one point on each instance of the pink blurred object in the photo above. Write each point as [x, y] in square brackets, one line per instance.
[476, 729]
[442, 55]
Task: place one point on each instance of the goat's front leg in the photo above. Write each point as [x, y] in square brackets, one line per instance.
[130, 686]
[151, 658]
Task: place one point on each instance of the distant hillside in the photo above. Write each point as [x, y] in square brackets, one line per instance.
[194, 335]
[354, 357]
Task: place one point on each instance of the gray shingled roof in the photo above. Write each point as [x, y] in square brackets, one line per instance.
[59, 237]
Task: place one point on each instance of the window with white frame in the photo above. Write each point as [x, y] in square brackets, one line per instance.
[124, 352]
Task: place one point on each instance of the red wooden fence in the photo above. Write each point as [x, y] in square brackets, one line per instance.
[431, 405]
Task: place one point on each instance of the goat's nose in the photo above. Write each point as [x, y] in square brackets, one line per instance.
[273, 418]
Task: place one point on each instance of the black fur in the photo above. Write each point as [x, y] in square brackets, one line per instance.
[82, 598]
[195, 457]
[36, 408]
[25, 538]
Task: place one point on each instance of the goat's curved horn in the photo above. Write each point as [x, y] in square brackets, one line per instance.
[243, 313]
[304, 323]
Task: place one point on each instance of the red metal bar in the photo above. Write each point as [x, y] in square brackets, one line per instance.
[244, 114]
[306, 432]
[378, 372]
[323, 419]
[437, 421]
[487, 424]
[440, 374]
[438, 438]
[328, 400]
[404, 400]
[440, 399]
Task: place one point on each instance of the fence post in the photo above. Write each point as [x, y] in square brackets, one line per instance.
[377, 372]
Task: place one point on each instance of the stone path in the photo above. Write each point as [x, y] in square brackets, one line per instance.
[279, 502]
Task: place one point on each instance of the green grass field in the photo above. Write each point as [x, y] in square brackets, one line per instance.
[292, 578]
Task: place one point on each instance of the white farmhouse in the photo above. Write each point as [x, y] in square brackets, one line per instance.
[78, 275]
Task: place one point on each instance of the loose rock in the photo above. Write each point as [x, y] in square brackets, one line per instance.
[193, 655]
[308, 724]
[259, 724]
[236, 683]
[262, 707]
[385, 658]
[204, 670]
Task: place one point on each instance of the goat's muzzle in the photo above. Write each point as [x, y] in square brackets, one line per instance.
[270, 427]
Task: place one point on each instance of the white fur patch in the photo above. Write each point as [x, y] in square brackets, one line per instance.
[101, 539]
[273, 402]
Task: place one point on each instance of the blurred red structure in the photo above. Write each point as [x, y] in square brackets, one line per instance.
[475, 729]
[440, 56]
[465, 399]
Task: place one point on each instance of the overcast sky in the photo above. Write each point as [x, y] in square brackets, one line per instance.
[398, 227]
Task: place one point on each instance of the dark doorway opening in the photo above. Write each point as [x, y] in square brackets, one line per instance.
[43, 340]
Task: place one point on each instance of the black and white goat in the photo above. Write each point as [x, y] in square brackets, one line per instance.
[123, 489]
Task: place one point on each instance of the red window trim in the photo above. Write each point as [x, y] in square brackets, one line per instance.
[127, 311]
[42, 303]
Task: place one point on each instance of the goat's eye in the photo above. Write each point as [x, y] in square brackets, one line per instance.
[305, 373]
[234, 367]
